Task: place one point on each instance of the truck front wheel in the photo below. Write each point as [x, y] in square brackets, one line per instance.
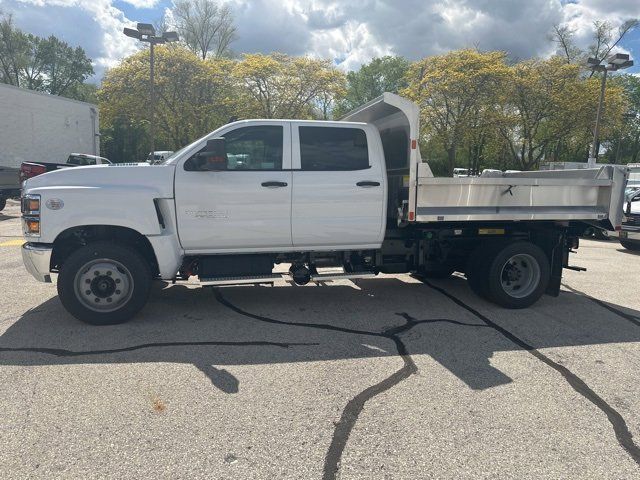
[104, 283]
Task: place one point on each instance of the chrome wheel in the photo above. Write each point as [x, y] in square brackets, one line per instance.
[520, 275]
[103, 285]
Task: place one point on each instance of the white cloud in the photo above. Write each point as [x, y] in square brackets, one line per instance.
[350, 32]
[95, 25]
[142, 3]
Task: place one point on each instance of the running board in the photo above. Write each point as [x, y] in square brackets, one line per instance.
[321, 277]
[207, 282]
[248, 280]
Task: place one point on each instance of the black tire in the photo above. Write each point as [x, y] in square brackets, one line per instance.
[136, 272]
[478, 265]
[3, 203]
[633, 246]
[531, 260]
[436, 273]
[601, 234]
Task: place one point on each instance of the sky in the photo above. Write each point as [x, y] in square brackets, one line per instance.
[349, 32]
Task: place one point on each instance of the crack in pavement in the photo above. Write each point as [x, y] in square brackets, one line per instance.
[622, 432]
[627, 316]
[355, 406]
[60, 352]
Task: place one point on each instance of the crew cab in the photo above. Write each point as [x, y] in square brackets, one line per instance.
[32, 169]
[352, 194]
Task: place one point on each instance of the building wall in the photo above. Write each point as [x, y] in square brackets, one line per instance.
[38, 127]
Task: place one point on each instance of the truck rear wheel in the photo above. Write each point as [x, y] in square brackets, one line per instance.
[518, 275]
[104, 283]
[513, 275]
[633, 246]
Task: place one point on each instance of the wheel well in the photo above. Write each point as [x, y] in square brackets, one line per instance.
[73, 238]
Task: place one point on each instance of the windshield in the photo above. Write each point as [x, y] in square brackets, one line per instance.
[177, 153]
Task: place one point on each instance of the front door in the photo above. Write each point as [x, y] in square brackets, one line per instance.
[244, 203]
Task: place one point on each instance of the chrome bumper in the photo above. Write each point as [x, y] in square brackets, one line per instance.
[37, 260]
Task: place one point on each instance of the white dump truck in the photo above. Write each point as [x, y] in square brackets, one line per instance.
[352, 194]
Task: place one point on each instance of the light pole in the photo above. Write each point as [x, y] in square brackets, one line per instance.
[145, 32]
[617, 61]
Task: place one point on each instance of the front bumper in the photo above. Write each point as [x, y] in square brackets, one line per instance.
[37, 260]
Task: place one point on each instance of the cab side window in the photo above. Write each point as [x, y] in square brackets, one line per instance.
[247, 148]
[333, 148]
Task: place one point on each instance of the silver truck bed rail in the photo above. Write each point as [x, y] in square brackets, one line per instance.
[593, 195]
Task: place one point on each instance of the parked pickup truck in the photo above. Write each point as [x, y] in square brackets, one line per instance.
[630, 233]
[9, 185]
[352, 194]
[32, 169]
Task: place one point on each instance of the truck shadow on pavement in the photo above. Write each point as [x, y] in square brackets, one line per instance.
[217, 328]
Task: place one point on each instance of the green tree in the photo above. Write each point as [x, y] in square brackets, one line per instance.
[193, 97]
[549, 110]
[281, 86]
[455, 92]
[44, 64]
[384, 74]
[624, 142]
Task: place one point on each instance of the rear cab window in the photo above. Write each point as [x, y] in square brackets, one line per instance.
[333, 148]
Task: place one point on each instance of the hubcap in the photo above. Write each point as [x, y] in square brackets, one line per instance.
[103, 285]
[520, 275]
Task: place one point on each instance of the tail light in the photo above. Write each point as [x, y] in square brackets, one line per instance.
[28, 170]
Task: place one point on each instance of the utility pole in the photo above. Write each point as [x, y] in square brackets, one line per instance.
[615, 62]
[145, 32]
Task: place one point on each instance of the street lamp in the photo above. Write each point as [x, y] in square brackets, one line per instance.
[145, 32]
[617, 61]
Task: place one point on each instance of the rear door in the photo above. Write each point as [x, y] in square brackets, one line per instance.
[338, 187]
[243, 205]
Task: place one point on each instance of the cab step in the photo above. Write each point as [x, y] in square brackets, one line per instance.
[256, 279]
[321, 277]
[241, 280]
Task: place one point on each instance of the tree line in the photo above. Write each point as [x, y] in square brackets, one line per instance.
[479, 109]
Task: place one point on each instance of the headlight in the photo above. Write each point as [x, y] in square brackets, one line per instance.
[30, 206]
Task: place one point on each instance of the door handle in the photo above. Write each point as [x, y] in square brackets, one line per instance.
[368, 184]
[274, 184]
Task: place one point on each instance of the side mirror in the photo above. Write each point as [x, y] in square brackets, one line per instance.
[215, 156]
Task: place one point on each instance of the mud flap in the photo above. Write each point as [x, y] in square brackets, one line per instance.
[559, 257]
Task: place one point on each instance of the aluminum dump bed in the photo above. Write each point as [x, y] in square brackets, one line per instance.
[592, 195]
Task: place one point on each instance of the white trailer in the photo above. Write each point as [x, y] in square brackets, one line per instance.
[37, 127]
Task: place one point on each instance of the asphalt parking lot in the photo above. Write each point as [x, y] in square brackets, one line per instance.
[387, 378]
